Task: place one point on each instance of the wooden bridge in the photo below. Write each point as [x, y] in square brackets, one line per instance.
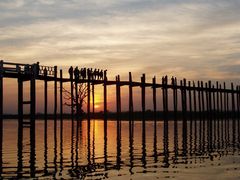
[206, 101]
[194, 96]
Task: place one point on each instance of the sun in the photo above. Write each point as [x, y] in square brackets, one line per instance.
[96, 106]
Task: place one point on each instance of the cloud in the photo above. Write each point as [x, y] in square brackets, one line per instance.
[188, 38]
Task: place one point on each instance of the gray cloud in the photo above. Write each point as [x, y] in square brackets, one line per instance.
[186, 38]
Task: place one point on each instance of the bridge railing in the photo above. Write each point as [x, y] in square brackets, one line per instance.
[49, 70]
[36, 69]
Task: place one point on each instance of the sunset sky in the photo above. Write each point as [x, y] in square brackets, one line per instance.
[183, 38]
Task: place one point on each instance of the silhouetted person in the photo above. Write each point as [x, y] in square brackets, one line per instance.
[37, 68]
[95, 73]
[45, 72]
[70, 71]
[173, 80]
[98, 74]
[101, 74]
[26, 68]
[76, 73]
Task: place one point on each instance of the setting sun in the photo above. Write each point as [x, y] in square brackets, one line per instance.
[96, 106]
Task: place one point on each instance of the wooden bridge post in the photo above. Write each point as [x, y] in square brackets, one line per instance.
[93, 99]
[207, 101]
[210, 113]
[105, 95]
[130, 97]
[210, 100]
[225, 99]
[184, 99]
[203, 104]
[225, 107]
[221, 100]
[72, 93]
[238, 102]
[1, 95]
[233, 112]
[20, 102]
[143, 79]
[166, 93]
[233, 101]
[221, 107]
[20, 122]
[175, 99]
[76, 95]
[88, 99]
[61, 100]
[55, 99]
[165, 96]
[154, 99]
[217, 105]
[214, 101]
[184, 109]
[194, 101]
[199, 101]
[33, 117]
[214, 110]
[203, 112]
[45, 106]
[118, 97]
[1, 112]
[238, 110]
[228, 113]
[190, 99]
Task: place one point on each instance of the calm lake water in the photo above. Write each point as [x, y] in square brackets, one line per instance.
[120, 151]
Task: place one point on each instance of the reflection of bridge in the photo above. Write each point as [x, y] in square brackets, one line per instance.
[206, 100]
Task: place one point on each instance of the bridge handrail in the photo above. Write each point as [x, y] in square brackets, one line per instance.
[26, 68]
[50, 70]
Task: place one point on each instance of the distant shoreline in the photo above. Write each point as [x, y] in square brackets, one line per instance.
[149, 115]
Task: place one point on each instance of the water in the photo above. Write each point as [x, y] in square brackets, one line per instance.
[119, 151]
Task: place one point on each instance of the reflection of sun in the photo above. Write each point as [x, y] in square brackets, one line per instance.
[96, 106]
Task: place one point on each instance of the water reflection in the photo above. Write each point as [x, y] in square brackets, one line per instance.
[100, 149]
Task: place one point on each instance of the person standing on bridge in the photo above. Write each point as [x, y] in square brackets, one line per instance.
[70, 71]
[76, 73]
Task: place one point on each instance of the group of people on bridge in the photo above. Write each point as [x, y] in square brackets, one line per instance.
[87, 73]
